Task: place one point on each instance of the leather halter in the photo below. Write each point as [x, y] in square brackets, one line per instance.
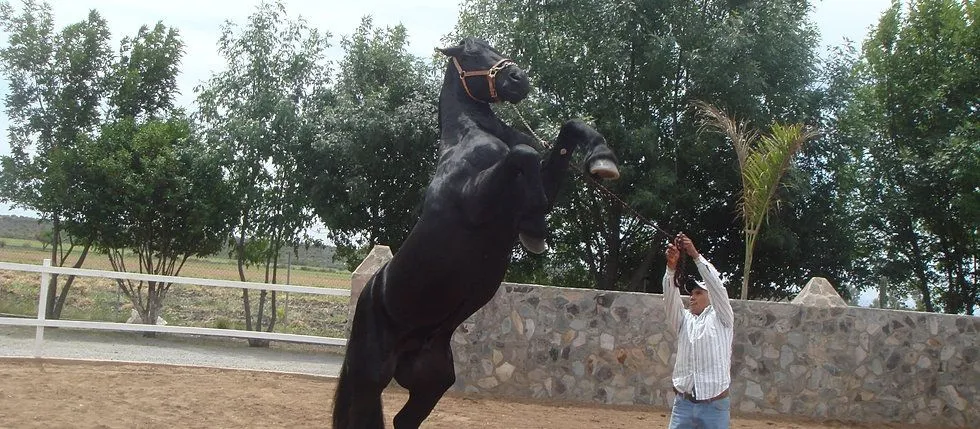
[490, 74]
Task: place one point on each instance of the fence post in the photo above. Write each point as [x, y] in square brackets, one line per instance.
[42, 309]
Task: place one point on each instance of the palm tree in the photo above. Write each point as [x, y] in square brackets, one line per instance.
[762, 160]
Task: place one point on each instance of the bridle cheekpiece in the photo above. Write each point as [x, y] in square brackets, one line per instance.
[490, 74]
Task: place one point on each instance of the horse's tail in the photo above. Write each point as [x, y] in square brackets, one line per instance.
[343, 400]
[360, 344]
[343, 397]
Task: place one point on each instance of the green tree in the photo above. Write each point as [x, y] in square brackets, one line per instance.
[826, 202]
[261, 111]
[634, 69]
[148, 190]
[154, 198]
[915, 113]
[368, 174]
[57, 81]
[144, 81]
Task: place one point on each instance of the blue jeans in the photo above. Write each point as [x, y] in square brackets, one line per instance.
[705, 415]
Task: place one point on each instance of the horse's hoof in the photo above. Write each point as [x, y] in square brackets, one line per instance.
[536, 246]
[604, 168]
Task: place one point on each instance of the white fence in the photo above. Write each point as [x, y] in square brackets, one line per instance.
[42, 322]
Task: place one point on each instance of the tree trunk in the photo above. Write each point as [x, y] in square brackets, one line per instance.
[275, 314]
[62, 297]
[240, 250]
[55, 262]
[918, 265]
[259, 342]
[150, 313]
[883, 292]
[613, 244]
[964, 292]
[248, 310]
[271, 271]
[640, 280]
[749, 246]
[258, 317]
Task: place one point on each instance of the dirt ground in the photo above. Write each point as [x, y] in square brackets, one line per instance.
[78, 394]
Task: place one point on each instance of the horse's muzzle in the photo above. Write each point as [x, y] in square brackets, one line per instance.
[512, 84]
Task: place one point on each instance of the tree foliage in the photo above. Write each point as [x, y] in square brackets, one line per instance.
[913, 118]
[56, 79]
[144, 82]
[379, 147]
[154, 197]
[261, 111]
[146, 190]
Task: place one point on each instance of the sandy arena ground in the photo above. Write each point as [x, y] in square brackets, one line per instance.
[79, 394]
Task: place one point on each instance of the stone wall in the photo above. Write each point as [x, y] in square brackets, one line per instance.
[614, 348]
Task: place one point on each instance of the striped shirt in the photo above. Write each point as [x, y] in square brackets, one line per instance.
[704, 342]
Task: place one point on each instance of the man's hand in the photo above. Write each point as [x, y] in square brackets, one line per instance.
[687, 245]
[672, 255]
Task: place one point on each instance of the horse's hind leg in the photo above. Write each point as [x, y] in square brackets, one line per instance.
[427, 373]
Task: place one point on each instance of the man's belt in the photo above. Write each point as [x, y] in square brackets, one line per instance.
[690, 397]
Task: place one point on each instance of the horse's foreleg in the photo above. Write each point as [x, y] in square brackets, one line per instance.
[555, 165]
[427, 374]
[599, 158]
[483, 192]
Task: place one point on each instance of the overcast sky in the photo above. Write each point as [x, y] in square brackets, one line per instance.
[427, 22]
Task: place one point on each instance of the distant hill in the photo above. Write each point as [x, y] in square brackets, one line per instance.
[310, 257]
[22, 227]
[28, 228]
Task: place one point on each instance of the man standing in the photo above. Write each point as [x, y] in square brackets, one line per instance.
[704, 343]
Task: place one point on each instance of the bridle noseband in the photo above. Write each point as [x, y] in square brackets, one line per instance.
[490, 74]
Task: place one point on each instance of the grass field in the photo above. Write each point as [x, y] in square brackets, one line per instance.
[185, 305]
[19, 242]
[211, 268]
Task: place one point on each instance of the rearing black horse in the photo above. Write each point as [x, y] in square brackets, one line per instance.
[490, 189]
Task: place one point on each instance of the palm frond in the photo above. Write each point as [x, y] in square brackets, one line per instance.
[766, 165]
[763, 161]
[714, 119]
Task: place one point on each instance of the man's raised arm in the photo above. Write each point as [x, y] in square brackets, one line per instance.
[672, 295]
[716, 291]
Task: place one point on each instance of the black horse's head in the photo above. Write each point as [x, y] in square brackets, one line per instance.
[485, 74]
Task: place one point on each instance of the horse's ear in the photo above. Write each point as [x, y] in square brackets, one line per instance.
[454, 51]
